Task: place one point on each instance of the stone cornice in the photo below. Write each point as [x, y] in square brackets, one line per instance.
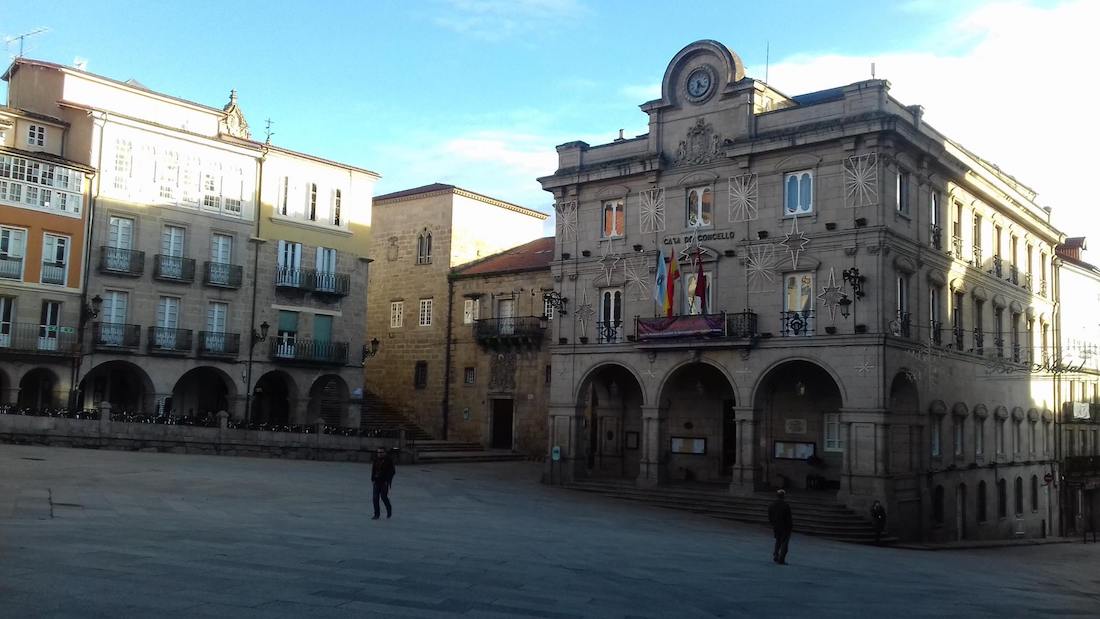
[471, 195]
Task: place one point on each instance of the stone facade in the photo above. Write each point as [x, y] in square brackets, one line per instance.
[421, 234]
[856, 335]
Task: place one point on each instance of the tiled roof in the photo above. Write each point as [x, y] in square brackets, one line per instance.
[533, 256]
[34, 115]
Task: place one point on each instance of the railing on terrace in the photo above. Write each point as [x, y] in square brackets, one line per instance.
[219, 344]
[118, 261]
[957, 246]
[28, 337]
[998, 266]
[935, 234]
[796, 323]
[999, 346]
[331, 283]
[173, 268]
[309, 351]
[610, 332]
[903, 324]
[222, 275]
[1016, 353]
[171, 341]
[959, 334]
[53, 273]
[1014, 274]
[979, 342]
[935, 330]
[511, 327]
[116, 335]
[737, 326]
[11, 267]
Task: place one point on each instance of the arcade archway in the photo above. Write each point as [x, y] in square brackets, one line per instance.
[124, 385]
[697, 403]
[38, 389]
[274, 399]
[202, 392]
[328, 399]
[610, 399]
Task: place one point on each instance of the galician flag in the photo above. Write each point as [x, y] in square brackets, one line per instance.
[659, 283]
[673, 275]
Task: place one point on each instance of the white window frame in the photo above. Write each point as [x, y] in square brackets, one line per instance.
[617, 206]
[470, 310]
[798, 176]
[50, 244]
[808, 317]
[695, 220]
[36, 135]
[12, 251]
[612, 309]
[49, 326]
[834, 438]
[547, 308]
[424, 247]
[425, 313]
[397, 314]
[903, 188]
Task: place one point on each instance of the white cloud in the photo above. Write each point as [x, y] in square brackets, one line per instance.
[1021, 94]
[496, 20]
[642, 93]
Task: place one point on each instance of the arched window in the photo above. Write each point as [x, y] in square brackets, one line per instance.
[1019, 496]
[1034, 493]
[981, 502]
[1002, 498]
[424, 247]
[937, 505]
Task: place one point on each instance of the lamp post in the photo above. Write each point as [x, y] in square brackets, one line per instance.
[370, 352]
[261, 335]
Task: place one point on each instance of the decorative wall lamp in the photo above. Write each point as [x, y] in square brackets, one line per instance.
[261, 335]
[92, 311]
[556, 301]
[371, 351]
[852, 276]
[845, 306]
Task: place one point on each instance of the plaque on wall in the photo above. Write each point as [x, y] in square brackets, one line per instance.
[794, 450]
[795, 426]
[689, 445]
[632, 440]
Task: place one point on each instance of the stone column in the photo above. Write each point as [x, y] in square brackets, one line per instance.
[746, 465]
[564, 431]
[653, 444]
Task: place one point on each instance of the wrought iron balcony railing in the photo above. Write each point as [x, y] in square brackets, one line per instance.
[1027, 282]
[1013, 274]
[902, 325]
[935, 330]
[173, 268]
[11, 267]
[118, 261]
[222, 275]
[487, 330]
[53, 273]
[610, 332]
[958, 334]
[690, 327]
[979, 342]
[742, 325]
[28, 337]
[331, 283]
[286, 277]
[219, 344]
[1043, 287]
[1016, 358]
[171, 341]
[935, 234]
[998, 266]
[978, 256]
[299, 350]
[999, 346]
[796, 323]
[116, 336]
[957, 246]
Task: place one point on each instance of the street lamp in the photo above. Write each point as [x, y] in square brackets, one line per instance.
[845, 306]
[261, 335]
[92, 311]
[370, 352]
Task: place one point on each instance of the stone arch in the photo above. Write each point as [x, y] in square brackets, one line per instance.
[122, 384]
[274, 400]
[904, 395]
[609, 399]
[201, 392]
[39, 389]
[760, 382]
[586, 378]
[328, 400]
[696, 400]
[731, 71]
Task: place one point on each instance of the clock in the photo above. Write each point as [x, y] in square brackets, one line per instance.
[699, 83]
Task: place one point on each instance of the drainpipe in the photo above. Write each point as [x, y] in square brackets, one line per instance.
[255, 288]
[74, 374]
[447, 355]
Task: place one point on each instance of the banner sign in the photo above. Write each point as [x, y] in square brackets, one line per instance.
[681, 326]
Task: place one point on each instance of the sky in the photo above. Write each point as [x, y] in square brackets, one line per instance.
[477, 93]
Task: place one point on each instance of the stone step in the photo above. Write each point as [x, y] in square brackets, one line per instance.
[454, 457]
[703, 498]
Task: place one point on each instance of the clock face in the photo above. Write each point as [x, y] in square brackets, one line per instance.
[698, 83]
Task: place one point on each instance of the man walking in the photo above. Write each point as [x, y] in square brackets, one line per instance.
[779, 515]
[878, 518]
[381, 475]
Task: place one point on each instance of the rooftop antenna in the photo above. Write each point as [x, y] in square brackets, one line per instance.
[767, 59]
[22, 37]
[268, 132]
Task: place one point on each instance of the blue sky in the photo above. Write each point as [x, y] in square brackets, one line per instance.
[478, 92]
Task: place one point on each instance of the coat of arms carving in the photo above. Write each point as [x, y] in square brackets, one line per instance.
[502, 372]
[701, 145]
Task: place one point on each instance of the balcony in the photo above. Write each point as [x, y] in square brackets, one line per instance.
[797, 323]
[1043, 288]
[1027, 282]
[977, 257]
[999, 346]
[31, 338]
[330, 283]
[173, 269]
[116, 336]
[523, 330]
[165, 341]
[935, 329]
[998, 266]
[11, 267]
[722, 330]
[222, 275]
[296, 279]
[1014, 274]
[958, 334]
[1016, 358]
[957, 246]
[935, 234]
[219, 344]
[53, 273]
[901, 326]
[118, 261]
[297, 350]
[979, 341]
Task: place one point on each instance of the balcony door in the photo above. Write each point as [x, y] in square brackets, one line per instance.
[168, 315]
[216, 316]
[326, 269]
[322, 335]
[12, 243]
[113, 316]
[798, 304]
[221, 257]
[120, 240]
[7, 311]
[49, 325]
[611, 315]
[171, 248]
[286, 340]
[506, 316]
[289, 263]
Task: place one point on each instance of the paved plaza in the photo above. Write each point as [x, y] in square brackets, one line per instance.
[87, 533]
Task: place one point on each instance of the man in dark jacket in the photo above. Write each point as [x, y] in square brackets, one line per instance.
[381, 475]
[779, 515]
[878, 518]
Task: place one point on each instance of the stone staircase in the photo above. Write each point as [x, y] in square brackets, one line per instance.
[376, 414]
[818, 515]
[446, 452]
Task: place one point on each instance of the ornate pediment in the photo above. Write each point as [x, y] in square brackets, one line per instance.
[700, 145]
[234, 123]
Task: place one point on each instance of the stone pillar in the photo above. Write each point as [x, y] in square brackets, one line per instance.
[104, 417]
[653, 446]
[564, 432]
[746, 466]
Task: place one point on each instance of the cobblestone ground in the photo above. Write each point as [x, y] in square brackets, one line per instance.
[108, 534]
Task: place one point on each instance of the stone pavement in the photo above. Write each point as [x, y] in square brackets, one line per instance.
[88, 533]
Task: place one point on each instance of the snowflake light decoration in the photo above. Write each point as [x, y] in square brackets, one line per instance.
[743, 194]
[636, 276]
[794, 242]
[567, 220]
[584, 312]
[861, 180]
[760, 267]
[651, 215]
[831, 295]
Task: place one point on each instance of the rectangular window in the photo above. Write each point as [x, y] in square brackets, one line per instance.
[902, 190]
[833, 439]
[700, 207]
[548, 373]
[168, 170]
[424, 247]
[977, 232]
[313, 201]
[12, 246]
[979, 437]
[286, 337]
[397, 314]
[798, 315]
[7, 315]
[547, 308]
[322, 328]
[326, 269]
[55, 255]
[49, 325]
[469, 376]
[283, 208]
[958, 435]
[420, 375]
[901, 298]
[798, 189]
[692, 302]
[614, 219]
[337, 199]
[425, 312]
[610, 326]
[211, 195]
[935, 431]
[934, 321]
[36, 135]
[979, 327]
[1031, 439]
[288, 270]
[217, 315]
[1000, 438]
[469, 311]
[164, 335]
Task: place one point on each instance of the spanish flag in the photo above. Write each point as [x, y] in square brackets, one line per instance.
[670, 283]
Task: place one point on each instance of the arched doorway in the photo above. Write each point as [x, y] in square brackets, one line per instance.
[38, 389]
[797, 418]
[610, 399]
[697, 403]
[201, 392]
[124, 385]
[328, 399]
[274, 399]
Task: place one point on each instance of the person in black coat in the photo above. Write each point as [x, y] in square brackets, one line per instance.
[878, 519]
[779, 515]
[381, 475]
